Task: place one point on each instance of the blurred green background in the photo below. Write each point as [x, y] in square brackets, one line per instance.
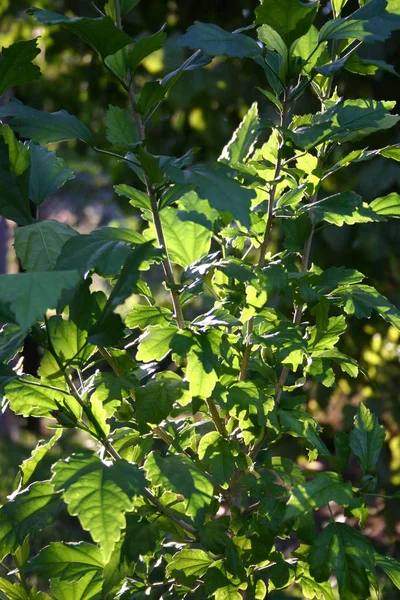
[202, 111]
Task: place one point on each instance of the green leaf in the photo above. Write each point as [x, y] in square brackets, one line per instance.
[202, 365]
[192, 563]
[25, 513]
[326, 487]
[368, 66]
[345, 207]
[370, 23]
[89, 587]
[125, 7]
[67, 562]
[349, 554]
[222, 192]
[244, 138]
[152, 93]
[13, 591]
[120, 127]
[391, 566]
[214, 41]
[290, 18]
[104, 250]
[143, 315]
[108, 329]
[100, 33]
[142, 48]
[361, 300]
[367, 437]
[69, 343]
[14, 189]
[301, 424]
[346, 121]
[387, 206]
[48, 173]
[186, 241]
[32, 397]
[39, 245]
[16, 64]
[218, 454]
[28, 466]
[18, 152]
[137, 198]
[29, 295]
[107, 494]
[154, 344]
[154, 402]
[178, 474]
[11, 342]
[43, 127]
[338, 5]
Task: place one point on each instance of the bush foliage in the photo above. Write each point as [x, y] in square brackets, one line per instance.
[179, 484]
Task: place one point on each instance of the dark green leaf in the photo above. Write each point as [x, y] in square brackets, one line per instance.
[102, 502]
[48, 173]
[349, 554]
[177, 473]
[137, 198]
[29, 295]
[104, 250]
[101, 33]
[373, 22]
[290, 18]
[25, 513]
[11, 342]
[152, 93]
[143, 48]
[326, 487]
[14, 188]
[361, 300]
[213, 40]
[346, 121]
[43, 127]
[154, 402]
[301, 424]
[16, 64]
[219, 455]
[222, 192]
[39, 245]
[120, 127]
[367, 437]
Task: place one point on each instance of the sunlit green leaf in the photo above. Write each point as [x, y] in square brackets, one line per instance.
[25, 513]
[29, 396]
[179, 474]
[367, 437]
[192, 563]
[28, 466]
[68, 562]
[105, 497]
[242, 142]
